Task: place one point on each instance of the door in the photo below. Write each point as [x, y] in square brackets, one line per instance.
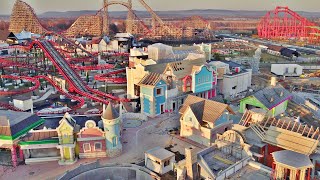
[162, 108]
[174, 106]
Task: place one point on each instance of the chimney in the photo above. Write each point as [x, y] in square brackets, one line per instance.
[273, 81]
[191, 158]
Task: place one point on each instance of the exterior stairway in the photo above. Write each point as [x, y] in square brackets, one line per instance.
[259, 130]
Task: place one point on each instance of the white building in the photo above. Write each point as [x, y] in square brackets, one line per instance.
[286, 69]
[23, 103]
[232, 78]
[159, 160]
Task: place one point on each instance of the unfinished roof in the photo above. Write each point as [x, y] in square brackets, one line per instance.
[40, 135]
[292, 159]
[110, 112]
[150, 79]
[272, 96]
[290, 140]
[205, 110]
[156, 68]
[160, 153]
[12, 122]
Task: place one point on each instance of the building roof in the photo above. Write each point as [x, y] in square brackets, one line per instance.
[151, 79]
[110, 112]
[160, 153]
[12, 122]
[205, 110]
[272, 96]
[40, 135]
[156, 68]
[292, 159]
[290, 140]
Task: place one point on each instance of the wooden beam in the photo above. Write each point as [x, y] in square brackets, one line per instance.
[288, 125]
[283, 124]
[317, 131]
[266, 122]
[278, 122]
[293, 125]
[298, 128]
[304, 129]
[310, 131]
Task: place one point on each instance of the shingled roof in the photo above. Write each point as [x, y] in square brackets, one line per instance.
[271, 96]
[17, 123]
[205, 110]
[151, 79]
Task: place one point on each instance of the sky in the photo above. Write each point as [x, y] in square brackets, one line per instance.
[41, 6]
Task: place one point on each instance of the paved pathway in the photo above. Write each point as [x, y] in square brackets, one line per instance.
[136, 141]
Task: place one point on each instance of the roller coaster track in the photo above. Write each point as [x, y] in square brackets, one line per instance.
[36, 81]
[15, 92]
[116, 80]
[71, 76]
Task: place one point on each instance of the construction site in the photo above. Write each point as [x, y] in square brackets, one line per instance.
[240, 100]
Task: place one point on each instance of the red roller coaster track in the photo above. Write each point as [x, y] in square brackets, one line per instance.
[107, 77]
[283, 23]
[71, 76]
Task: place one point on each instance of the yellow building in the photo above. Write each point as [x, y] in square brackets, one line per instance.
[66, 129]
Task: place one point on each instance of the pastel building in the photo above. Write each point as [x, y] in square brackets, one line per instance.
[159, 160]
[67, 139]
[153, 91]
[112, 129]
[66, 134]
[13, 126]
[201, 119]
[233, 78]
[273, 99]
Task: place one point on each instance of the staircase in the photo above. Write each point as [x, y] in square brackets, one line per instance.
[259, 130]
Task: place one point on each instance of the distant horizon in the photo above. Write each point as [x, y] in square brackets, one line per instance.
[44, 6]
[141, 10]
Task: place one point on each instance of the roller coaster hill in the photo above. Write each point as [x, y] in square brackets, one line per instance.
[46, 61]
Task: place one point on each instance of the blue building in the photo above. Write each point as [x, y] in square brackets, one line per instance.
[153, 90]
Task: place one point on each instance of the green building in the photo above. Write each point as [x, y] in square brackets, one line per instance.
[273, 99]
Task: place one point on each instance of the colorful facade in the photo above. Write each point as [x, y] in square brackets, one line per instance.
[153, 91]
[63, 141]
[91, 141]
[201, 120]
[273, 99]
[14, 125]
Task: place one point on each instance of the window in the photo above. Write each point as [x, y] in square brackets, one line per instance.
[159, 91]
[190, 119]
[86, 147]
[114, 141]
[166, 163]
[97, 146]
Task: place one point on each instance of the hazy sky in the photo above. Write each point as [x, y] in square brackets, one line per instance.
[41, 6]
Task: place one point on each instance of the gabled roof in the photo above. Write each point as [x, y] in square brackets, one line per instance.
[205, 110]
[17, 123]
[110, 113]
[289, 140]
[67, 118]
[272, 96]
[150, 79]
